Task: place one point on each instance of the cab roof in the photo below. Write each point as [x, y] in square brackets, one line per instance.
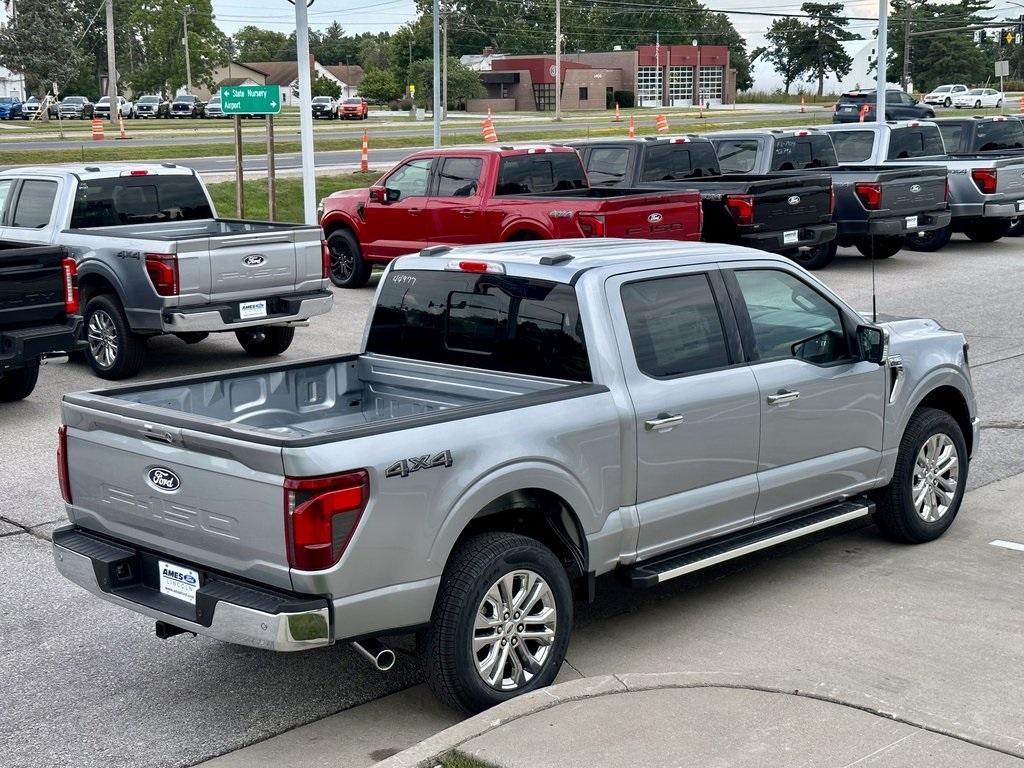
[100, 170]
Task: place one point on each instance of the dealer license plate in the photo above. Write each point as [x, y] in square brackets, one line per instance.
[250, 310]
[911, 222]
[791, 236]
[1020, 206]
[178, 582]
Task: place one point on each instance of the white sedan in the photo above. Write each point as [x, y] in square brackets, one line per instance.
[944, 95]
[979, 98]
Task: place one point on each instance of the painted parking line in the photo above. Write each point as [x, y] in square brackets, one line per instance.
[1008, 545]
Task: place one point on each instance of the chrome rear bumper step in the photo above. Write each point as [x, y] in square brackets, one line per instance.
[709, 553]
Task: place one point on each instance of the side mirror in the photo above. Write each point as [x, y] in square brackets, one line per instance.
[873, 343]
[818, 349]
[384, 195]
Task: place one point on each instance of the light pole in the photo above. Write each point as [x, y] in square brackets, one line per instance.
[696, 77]
[437, 74]
[115, 110]
[882, 53]
[305, 111]
[558, 60]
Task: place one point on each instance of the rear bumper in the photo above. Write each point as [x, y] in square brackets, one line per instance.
[777, 242]
[1004, 209]
[225, 610]
[212, 318]
[30, 344]
[895, 226]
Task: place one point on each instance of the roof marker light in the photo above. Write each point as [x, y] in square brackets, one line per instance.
[481, 267]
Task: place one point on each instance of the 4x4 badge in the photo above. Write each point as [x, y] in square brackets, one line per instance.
[405, 467]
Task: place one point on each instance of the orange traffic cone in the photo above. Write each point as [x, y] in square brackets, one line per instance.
[632, 125]
[122, 134]
[863, 112]
[661, 123]
[490, 135]
[1022, 105]
[97, 129]
[364, 157]
[618, 114]
[802, 108]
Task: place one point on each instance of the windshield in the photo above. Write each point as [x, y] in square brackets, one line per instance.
[943, 89]
[184, 99]
[214, 102]
[104, 100]
[974, 92]
[322, 100]
[494, 322]
[353, 101]
[149, 100]
[74, 100]
[139, 200]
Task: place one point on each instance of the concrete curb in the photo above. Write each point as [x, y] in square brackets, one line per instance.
[427, 753]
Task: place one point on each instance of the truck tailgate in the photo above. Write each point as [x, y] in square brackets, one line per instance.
[789, 203]
[247, 265]
[198, 499]
[665, 216]
[910, 190]
[31, 286]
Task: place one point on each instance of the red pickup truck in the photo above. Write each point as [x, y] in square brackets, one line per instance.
[471, 195]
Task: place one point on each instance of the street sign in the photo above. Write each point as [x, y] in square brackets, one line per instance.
[1002, 68]
[250, 99]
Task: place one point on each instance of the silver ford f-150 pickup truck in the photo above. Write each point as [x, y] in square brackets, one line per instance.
[153, 258]
[523, 418]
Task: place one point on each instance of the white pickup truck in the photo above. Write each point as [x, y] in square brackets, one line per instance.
[153, 258]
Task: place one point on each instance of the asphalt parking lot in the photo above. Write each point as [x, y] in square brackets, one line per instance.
[934, 628]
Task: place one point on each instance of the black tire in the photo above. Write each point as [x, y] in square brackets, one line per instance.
[18, 384]
[977, 104]
[348, 267]
[476, 565]
[929, 241]
[987, 230]
[266, 340]
[947, 103]
[1016, 227]
[104, 319]
[818, 257]
[999, 104]
[880, 247]
[895, 513]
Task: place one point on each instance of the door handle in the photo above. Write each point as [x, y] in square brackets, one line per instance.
[467, 212]
[663, 421]
[782, 397]
[413, 211]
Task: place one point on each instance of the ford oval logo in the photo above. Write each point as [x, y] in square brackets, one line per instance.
[915, 188]
[255, 260]
[794, 200]
[163, 479]
[654, 218]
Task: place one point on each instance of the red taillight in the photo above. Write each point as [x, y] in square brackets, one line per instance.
[325, 260]
[320, 516]
[985, 178]
[870, 195]
[62, 463]
[741, 207]
[473, 266]
[162, 269]
[140, 172]
[592, 224]
[69, 270]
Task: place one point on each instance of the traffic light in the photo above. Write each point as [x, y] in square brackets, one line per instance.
[982, 35]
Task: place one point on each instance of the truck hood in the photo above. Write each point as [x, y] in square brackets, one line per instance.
[916, 332]
[346, 200]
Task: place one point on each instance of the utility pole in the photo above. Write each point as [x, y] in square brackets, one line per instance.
[437, 74]
[188, 62]
[558, 60]
[905, 77]
[881, 51]
[444, 61]
[305, 113]
[115, 110]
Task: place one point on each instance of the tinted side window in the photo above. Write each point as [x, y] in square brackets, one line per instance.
[35, 204]
[670, 162]
[784, 311]
[852, 146]
[736, 155]
[536, 174]
[410, 180]
[915, 142]
[1005, 134]
[674, 325]
[952, 136]
[607, 166]
[5, 191]
[798, 153]
[459, 177]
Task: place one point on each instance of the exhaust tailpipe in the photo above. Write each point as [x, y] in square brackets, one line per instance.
[383, 659]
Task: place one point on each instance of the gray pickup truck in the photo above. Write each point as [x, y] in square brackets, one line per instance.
[153, 258]
[523, 418]
[986, 191]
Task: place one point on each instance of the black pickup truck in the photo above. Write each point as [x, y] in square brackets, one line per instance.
[781, 213]
[38, 313]
[876, 206]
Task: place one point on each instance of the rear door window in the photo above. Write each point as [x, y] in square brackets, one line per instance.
[736, 155]
[923, 141]
[998, 135]
[853, 146]
[608, 166]
[459, 177]
[5, 192]
[799, 152]
[952, 136]
[673, 162]
[34, 205]
[540, 173]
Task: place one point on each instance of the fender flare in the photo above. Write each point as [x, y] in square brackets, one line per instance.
[336, 219]
[515, 226]
[92, 266]
[517, 476]
[948, 375]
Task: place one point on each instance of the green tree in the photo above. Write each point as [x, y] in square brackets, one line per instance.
[463, 82]
[43, 58]
[252, 43]
[373, 50]
[324, 86]
[942, 56]
[825, 33]
[379, 86]
[785, 49]
[333, 46]
[412, 42]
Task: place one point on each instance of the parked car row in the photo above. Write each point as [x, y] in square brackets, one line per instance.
[330, 108]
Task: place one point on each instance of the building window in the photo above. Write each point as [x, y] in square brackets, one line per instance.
[680, 86]
[712, 84]
[544, 95]
[583, 94]
[648, 86]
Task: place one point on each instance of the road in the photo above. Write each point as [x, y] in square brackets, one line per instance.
[88, 684]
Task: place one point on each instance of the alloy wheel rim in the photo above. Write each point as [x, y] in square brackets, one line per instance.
[514, 630]
[102, 334]
[343, 263]
[936, 478]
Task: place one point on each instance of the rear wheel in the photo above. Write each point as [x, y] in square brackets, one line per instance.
[266, 341]
[19, 383]
[977, 104]
[927, 485]
[999, 104]
[815, 257]
[929, 241]
[113, 350]
[881, 247]
[947, 103]
[501, 623]
[987, 230]
[348, 267]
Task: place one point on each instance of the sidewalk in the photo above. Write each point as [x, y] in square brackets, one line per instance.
[673, 720]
